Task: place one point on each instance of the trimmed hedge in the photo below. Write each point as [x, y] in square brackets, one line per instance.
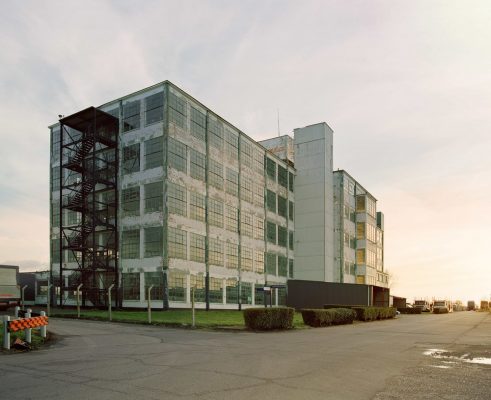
[265, 319]
[407, 310]
[374, 313]
[364, 313]
[323, 317]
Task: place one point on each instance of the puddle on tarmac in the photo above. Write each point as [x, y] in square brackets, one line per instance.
[443, 355]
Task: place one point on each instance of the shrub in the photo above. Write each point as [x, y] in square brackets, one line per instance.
[317, 317]
[405, 310]
[326, 317]
[374, 313]
[264, 319]
[343, 316]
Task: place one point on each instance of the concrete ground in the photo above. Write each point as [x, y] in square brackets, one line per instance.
[375, 360]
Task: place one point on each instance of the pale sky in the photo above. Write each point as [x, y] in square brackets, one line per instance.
[406, 86]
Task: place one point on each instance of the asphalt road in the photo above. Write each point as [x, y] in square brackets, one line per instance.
[375, 360]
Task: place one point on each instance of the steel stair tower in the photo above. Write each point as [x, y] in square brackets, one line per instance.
[89, 206]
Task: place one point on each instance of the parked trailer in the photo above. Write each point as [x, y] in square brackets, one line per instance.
[484, 305]
[9, 288]
[471, 305]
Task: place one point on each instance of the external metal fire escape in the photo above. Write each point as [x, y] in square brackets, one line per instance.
[88, 193]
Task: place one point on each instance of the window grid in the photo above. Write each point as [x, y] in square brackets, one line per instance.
[198, 124]
[215, 174]
[271, 232]
[232, 255]
[177, 243]
[259, 262]
[258, 228]
[290, 210]
[154, 152]
[246, 189]
[271, 201]
[153, 241]
[282, 236]
[177, 110]
[246, 259]
[290, 181]
[282, 176]
[246, 152]
[131, 201]
[290, 240]
[282, 266]
[197, 165]
[197, 247]
[131, 286]
[282, 204]
[177, 285]
[215, 213]
[215, 252]
[232, 144]
[153, 196]
[197, 206]
[176, 199]
[232, 182]
[156, 280]
[290, 269]
[258, 195]
[271, 263]
[231, 219]
[154, 106]
[131, 116]
[130, 244]
[259, 161]
[231, 291]
[178, 158]
[131, 159]
[271, 169]
[215, 131]
[216, 290]
[246, 224]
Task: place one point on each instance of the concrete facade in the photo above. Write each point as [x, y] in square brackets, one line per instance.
[193, 191]
[314, 233]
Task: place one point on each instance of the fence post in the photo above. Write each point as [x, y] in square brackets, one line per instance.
[149, 304]
[43, 328]
[192, 307]
[28, 331]
[48, 302]
[6, 333]
[78, 299]
[16, 311]
[22, 299]
[109, 301]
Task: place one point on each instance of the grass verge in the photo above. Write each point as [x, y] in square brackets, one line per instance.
[213, 319]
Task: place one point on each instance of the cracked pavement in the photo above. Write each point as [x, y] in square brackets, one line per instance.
[377, 360]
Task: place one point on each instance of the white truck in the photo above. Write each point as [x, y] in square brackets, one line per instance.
[9, 288]
[442, 307]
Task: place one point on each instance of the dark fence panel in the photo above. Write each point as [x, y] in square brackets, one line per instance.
[313, 294]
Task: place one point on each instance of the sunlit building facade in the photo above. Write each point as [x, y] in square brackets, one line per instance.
[358, 234]
[159, 191]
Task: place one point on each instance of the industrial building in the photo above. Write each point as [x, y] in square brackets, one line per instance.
[156, 190]
[358, 234]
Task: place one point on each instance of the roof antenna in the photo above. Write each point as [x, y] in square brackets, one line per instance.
[278, 111]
